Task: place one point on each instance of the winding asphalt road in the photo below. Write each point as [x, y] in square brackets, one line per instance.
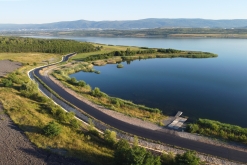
[157, 135]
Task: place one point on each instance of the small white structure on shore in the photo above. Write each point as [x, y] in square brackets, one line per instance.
[178, 121]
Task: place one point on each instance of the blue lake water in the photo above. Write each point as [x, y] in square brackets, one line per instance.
[214, 88]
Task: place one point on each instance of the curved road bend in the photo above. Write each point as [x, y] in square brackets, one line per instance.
[157, 135]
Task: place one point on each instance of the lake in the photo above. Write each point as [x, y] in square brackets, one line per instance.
[214, 88]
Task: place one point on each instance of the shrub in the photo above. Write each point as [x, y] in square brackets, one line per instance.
[136, 155]
[73, 81]
[167, 159]
[52, 129]
[110, 137]
[65, 117]
[30, 90]
[91, 124]
[188, 158]
[14, 78]
[30, 87]
[97, 93]
[117, 102]
[74, 123]
[82, 83]
[120, 66]
[7, 83]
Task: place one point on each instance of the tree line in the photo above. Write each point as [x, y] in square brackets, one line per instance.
[58, 46]
[129, 52]
[158, 32]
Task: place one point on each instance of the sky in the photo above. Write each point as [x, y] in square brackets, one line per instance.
[47, 11]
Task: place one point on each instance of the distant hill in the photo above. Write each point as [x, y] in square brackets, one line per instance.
[133, 24]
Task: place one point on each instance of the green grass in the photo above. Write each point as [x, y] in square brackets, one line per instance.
[220, 130]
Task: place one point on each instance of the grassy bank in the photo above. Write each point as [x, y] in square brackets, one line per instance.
[219, 130]
[31, 111]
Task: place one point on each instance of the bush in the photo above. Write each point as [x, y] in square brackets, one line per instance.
[136, 155]
[62, 116]
[73, 81]
[74, 123]
[30, 90]
[110, 137]
[120, 66]
[30, 87]
[188, 158]
[167, 159]
[52, 129]
[97, 93]
[117, 102]
[7, 83]
[82, 83]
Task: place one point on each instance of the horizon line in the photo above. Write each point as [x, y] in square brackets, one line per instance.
[124, 20]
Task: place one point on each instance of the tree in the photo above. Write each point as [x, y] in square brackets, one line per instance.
[125, 155]
[137, 155]
[52, 129]
[188, 158]
[18, 44]
[152, 160]
[122, 153]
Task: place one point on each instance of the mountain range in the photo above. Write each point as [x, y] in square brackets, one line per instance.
[130, 24]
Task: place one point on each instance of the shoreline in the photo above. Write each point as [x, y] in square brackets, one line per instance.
[152, 126]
